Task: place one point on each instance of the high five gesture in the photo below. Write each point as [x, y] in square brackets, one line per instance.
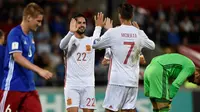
[73, 27]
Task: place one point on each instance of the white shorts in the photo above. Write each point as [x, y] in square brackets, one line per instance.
[80, 96]
[120, 97]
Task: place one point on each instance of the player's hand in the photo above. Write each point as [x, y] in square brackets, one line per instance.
[142, 60]
[73, 26]
[45, 74]
[135, 24]
[99, 19]
[108, 23]
[105, 61]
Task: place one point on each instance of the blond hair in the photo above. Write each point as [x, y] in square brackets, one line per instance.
[33, 10]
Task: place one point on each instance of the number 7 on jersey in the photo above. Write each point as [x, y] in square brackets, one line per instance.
[129, 51]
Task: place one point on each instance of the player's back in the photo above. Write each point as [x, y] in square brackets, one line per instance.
[80, 62]
[175, 63]
[126, 44]
[174, 58]
[2, 53]
[16, 77]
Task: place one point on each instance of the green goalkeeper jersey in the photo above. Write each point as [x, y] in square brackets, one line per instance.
[178, 67]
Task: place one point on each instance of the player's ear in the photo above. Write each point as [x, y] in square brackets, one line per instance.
[28, 18]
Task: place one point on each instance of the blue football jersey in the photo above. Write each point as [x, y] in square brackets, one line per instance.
[2, 53]
[16, 77]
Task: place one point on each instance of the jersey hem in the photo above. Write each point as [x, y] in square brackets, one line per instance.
[14, 51]
[19, 90]
[124, 85]
[80, 85]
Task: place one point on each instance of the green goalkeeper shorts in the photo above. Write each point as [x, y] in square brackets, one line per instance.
[156, 81]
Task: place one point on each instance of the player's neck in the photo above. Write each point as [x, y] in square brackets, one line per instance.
[25, 28]
[79, 36]
[126, 22]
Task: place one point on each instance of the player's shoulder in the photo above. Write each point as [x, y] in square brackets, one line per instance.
[16, 31]
[111, 30]
[122, 28]
[2, 47]
[88, 37]
[73, 38]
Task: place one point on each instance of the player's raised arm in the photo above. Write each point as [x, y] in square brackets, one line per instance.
[142, 58]
[104, 41]
[108, 23]
[99, 22]
[73, 28]
[99, 19]
[146, 42]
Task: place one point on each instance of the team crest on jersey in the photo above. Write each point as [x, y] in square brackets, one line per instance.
[88, 47]
[69, 101]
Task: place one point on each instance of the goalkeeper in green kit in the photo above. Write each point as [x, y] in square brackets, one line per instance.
[160, 70]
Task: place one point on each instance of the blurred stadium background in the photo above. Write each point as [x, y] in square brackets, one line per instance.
[174, 25]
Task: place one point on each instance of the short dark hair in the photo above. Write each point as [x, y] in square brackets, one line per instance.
[80, 15]
[33, 10]
[126, 11]
[191, 78]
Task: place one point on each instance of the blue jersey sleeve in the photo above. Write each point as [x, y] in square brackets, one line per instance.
[14, 44]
